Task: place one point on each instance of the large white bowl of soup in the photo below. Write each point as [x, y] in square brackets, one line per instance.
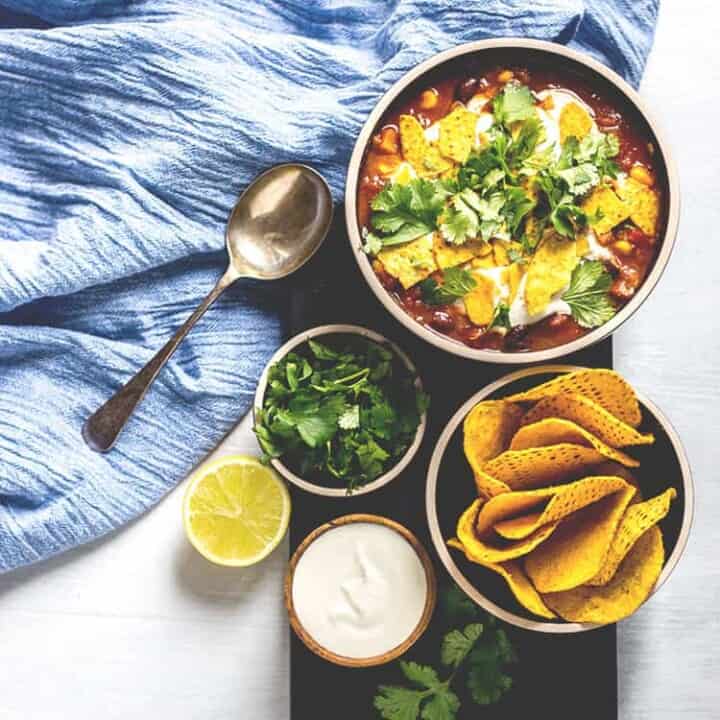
[511, 201]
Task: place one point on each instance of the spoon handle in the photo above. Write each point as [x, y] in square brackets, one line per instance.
[102, 428]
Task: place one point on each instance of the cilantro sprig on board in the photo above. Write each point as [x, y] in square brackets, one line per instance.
[339, 414]
[474, 656]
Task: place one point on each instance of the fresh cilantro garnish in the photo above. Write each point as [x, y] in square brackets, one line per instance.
[404, 212]
[456, 283]
[486, 681]
[522, 146]
[588, 296]
[501, 318]
[580, 179]
[493, 193]
[350, 418]
[565, 215]
[339, 413]
[514, 103]
[477, 650]
[518, 204]
[460, 221]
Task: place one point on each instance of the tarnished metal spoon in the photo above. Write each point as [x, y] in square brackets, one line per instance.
[275, 227]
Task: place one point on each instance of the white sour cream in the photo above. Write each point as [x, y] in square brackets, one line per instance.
[359, 590]
[597, 251]
[551, 118]
[497, 275]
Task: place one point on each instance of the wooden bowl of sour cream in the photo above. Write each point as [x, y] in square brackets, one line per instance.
[360, 590]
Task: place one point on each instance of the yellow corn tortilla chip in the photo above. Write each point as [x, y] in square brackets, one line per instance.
[552, 431]
[589, 415]
[519, 527]
[447, 255]
[457, 134]
[515, 274]
[577, 549]
[517, 581]
[484, 261]
[487, 430]
[422, 155]
[479, 551]
[610, 467]
[500, 253]
[549, 271]
[613, 209]
[574, 121]
[624, 594]
[604, 387]
[538, 467]
[644, 204]
[553, 503]
[480, 301]
[410, 262]
[637, 520]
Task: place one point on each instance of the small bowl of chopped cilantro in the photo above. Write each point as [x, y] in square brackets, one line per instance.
[340, 410]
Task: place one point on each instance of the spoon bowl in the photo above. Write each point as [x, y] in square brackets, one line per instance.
[275, 227]
[279, 222]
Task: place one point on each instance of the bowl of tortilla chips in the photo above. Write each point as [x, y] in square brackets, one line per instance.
[559, 499]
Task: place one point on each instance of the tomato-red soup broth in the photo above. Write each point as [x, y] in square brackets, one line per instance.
[511, 207]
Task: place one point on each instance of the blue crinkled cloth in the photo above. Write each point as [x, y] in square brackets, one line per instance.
[126, 132]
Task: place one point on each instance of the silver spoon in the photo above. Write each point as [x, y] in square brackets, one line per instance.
[275, 227]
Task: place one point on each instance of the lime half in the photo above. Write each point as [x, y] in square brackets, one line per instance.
[236, 510]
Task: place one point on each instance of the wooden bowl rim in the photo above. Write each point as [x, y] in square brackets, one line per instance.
[447, 560]
[428, 609]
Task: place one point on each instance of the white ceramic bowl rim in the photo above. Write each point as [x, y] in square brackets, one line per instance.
[493, 356]
[339, 329]
[439, 541]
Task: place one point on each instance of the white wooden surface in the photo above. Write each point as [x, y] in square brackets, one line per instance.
[139, 627]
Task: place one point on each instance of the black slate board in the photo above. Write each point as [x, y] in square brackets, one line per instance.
[559, 677]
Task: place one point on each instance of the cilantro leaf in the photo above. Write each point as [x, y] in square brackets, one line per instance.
[522, 147]
[459, 222]
[404, 212]
[514, 103]
[486, 682]
[315, 421]
[581, 178]
[456, 606]
[479, 164]
[422, 675]
[443, 706]
[588, 296]
[398, 703]
[350, 418]
[457, 282]
[501, 318]
[517, 205]
[458, 643]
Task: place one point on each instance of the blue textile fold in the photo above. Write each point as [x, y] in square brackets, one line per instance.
[126, 132]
